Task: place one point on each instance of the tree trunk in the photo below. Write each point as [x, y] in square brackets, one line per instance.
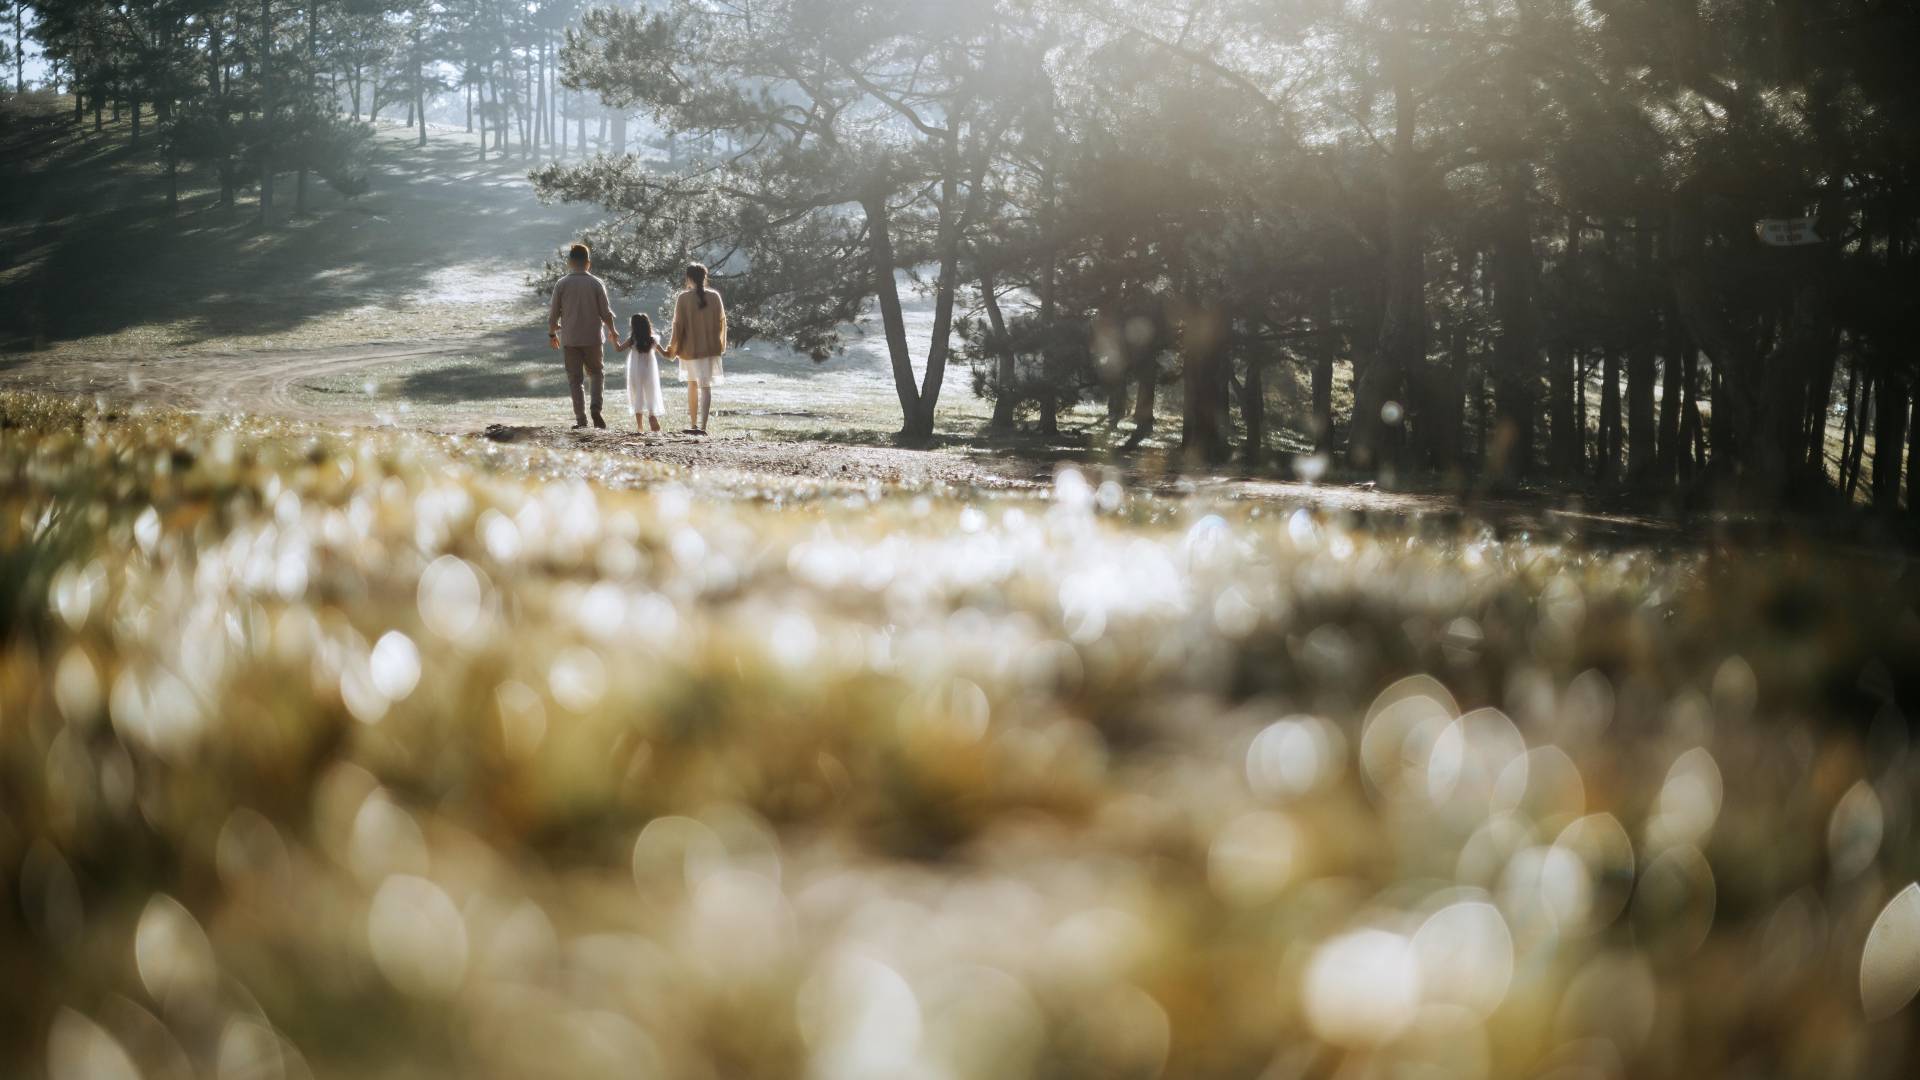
[1516, 350]
[1458, 380]
[1206, 366]
[1006, 397]
[133, 138]
[1143, 399]
[1889, 439]
[618, 122]
[1722, 446]
[1253, 412]
[1379, 406]
[1913, 455]
[1867, 396]
[266, 112]
[1049, 278]
[1326, 340]
[1642, 443]
[1848, 424]
[417, 62]
[537, 67]
[313, 70]
[1692, 439]
[880, 244]
[1563, 370]
[944, 289]
[1607, 445]
[1667, 453]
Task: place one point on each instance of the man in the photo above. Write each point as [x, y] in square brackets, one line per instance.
[576, 319]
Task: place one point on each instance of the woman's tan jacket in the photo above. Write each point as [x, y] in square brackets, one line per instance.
[698, 332]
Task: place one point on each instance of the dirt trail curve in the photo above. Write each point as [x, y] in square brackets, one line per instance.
[268, 383]
[252, 382]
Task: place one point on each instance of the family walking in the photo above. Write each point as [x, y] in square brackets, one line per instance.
[580, 316]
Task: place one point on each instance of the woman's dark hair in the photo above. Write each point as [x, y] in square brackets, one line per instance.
[698, 275]
[640, 332]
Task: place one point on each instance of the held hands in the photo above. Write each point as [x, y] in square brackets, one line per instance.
[553, 340]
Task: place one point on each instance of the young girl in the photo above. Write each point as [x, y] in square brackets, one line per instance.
[643, 372]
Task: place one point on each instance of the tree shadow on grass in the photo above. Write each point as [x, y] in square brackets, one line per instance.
[491, 380]
[94, 250]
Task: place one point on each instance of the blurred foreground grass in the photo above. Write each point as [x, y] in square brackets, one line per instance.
[378, 755]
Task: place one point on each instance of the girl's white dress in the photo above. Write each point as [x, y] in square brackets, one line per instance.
[643, 380]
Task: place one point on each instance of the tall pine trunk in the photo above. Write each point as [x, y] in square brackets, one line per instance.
[1852, 466]
[1006, 377]
[313, 72]
[418, 63]
[266, 112]
[1374, 437]
[1642, 367]
[1148, 377]
[1889, 438]
[1667, 449]
[1049, 279]
[1563, 370]
[1692, 439]
[1607, 467]
[892, 319]
[1253, 412]
[1326, 341]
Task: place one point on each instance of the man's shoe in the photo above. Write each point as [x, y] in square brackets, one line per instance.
[579, 422]
[599, 421]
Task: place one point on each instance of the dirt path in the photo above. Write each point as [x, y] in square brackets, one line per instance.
[282, 383]
[270, 383]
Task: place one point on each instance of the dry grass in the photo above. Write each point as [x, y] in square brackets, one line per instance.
[376, 754]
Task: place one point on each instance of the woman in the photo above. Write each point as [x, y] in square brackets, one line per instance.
[698, 340]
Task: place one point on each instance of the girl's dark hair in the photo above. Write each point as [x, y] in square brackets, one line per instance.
[640, 331]
[698, 275]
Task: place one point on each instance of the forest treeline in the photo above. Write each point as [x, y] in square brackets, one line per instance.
[1531, 227]
[1513, 239]
[254, 91]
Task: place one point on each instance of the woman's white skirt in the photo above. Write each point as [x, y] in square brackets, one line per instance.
[705, 371]
[643, 383]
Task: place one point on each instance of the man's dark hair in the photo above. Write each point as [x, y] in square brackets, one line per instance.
[578, 253]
